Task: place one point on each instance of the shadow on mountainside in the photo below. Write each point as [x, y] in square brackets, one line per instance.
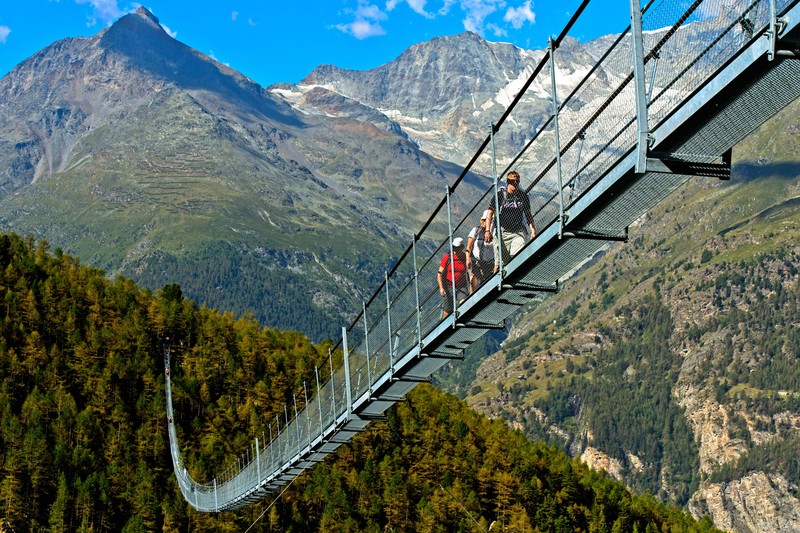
[143, 42]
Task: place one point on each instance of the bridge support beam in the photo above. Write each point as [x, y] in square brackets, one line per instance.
[720, 168]
[598, 236]
[535, 288]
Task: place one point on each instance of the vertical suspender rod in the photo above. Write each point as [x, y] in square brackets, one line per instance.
[557, 139]
[389, 324]
[637, 50]
[452, 262]
[498, 244]
[416, 292]
[366, 347]
[348, 393]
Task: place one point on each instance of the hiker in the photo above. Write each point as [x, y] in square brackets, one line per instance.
[445, 277]
[515, 211]
[480, 253]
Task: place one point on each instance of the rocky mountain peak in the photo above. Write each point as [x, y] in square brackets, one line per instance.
[137, 30]
[146, 13]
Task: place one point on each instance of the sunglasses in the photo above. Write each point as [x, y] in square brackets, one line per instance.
[512, 182]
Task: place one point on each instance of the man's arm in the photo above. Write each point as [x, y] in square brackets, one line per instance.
[529, 216]
[487, 234]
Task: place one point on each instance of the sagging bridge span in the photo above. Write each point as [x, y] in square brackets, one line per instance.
[666, 101]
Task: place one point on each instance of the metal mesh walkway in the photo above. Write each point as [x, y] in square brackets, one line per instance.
[667, 100]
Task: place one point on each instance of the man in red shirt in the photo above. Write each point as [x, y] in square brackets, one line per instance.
[446, 279]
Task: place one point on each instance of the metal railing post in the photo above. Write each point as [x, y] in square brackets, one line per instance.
[258, 465]
[389, 323]
[216, 501]
[773, 30]
[348, 393]
[554, 96]
[296, 423]
[333, 385]
[366, 347]
[637, 51]
[286, 431]
[498, 243]
[452, 262]
[271, 452]
[319, 401]
[416, 292]
[308, 415]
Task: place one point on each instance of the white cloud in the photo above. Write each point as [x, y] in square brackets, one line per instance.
[107, 11]
[234, 15]
[445, 9]
[518, 16]
[479, 16]
[417, 6]
[361, 29]
[171, 33]
[367, 21]
[496, 30]
[367, 11]
[476, 12]
[4, 31]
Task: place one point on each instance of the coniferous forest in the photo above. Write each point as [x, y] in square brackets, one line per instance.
[83, 441]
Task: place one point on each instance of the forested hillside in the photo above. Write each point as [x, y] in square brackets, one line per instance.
[84, 446]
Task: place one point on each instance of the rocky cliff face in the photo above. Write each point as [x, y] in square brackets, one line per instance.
[756, 502]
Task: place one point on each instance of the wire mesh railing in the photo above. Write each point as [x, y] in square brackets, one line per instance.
[586, 121]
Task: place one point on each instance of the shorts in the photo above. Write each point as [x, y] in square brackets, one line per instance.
[512, 244]
[482, 270]
[461, 294]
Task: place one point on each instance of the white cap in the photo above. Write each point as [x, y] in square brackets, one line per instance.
[458, 241]
[486, 215]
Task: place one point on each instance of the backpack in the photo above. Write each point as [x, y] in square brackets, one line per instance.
[479, 245]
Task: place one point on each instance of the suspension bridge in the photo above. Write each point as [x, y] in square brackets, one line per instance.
[664, 102]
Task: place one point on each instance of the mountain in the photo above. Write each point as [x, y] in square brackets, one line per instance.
[445, 93]
[83, 425]
[145, 157]
[672, 361]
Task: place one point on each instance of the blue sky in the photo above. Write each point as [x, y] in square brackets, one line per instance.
[272, 41]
